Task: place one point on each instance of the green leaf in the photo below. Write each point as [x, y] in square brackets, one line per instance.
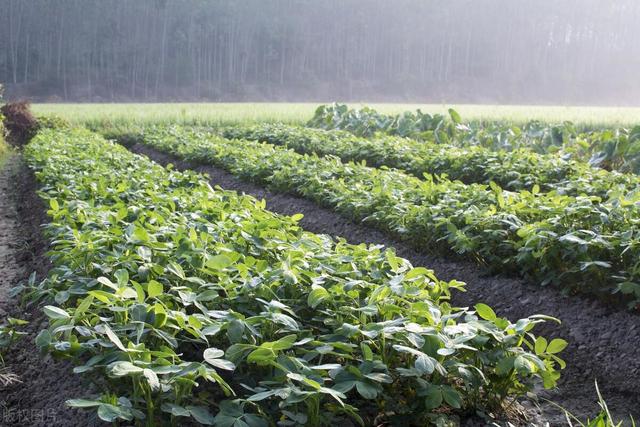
[392, 259]
[556, 346]
[345, 386]
[327, 366]
[152, 379]
[219, 262]
[236, 352]
[366, 390]
[338, 396]
[230, 412]
[43, 340]
[212, 353]
[485, 312]
[505, 365]
[82, 403]
[629, 288]
[286, 321]
[367, 353]
[175, 410]
[223, 420]
[55, 312]
[111, 413]
[380, 377]
[83, 307]
[452, 397]
[113, 337]
[523, 365]
[124, 368]
[573, 239]
[108, 283]
[541, 345]
[261, 396]
[213, 357]
[283, 343]
[122, 276]
[455, 117]
[317, 295]
[425, 364]
[140, 296]
[144, 253]
[176, 269]
[140, 234]
[201, 415]
[433, 397]
[416, 272]
[261, 356]
[105, 297]
[235, 330]
[254, 420]
[154, 289]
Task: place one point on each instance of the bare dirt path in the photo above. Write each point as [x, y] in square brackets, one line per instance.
[42, 384]
[604, 341]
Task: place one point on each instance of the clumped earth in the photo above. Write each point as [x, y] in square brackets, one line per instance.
[601, 337]
[42, 385]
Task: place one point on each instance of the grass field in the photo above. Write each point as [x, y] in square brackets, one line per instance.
[230, 113]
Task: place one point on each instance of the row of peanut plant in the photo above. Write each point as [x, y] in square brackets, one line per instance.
[607, 148]
[183, 301]
[511, 170]
[578, 243]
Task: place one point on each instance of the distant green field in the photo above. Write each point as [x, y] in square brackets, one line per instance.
[229, 113]
[209, 113]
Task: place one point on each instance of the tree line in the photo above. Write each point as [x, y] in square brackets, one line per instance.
[510, 51]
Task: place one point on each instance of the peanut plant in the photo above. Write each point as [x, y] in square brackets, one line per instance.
[185, 301]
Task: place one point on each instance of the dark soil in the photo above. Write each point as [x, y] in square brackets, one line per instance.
[604, 340]
[43, 384]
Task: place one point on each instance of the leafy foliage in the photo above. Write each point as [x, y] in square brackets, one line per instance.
[192, 302]
[367, 121]
[580, 243]
[512, 170]
[610, 149]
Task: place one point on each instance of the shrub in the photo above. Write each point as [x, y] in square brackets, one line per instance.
[19, 121]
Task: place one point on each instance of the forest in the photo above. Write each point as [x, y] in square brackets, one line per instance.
[483, 51]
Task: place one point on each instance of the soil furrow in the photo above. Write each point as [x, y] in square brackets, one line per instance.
[603, 339]
[42, 384]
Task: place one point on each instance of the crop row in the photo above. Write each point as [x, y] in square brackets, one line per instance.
[577, 243]
[185, 301]
[610, 149]
[512, 170]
